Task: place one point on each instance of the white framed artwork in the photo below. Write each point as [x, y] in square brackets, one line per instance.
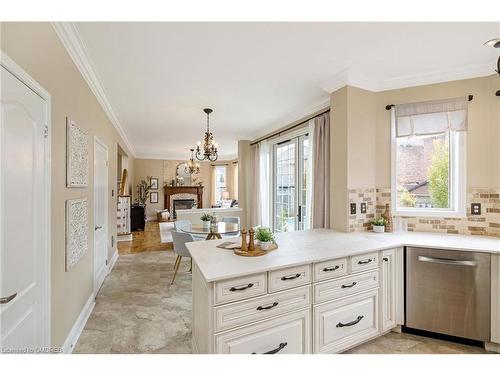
[77, 155]
[77, 217]
[153, 197]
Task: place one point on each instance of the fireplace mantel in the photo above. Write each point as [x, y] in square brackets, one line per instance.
[171, 190]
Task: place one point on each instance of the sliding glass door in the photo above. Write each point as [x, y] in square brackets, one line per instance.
[290, 187]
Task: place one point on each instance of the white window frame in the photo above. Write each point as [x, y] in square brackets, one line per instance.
[216, 187]
[458, 179]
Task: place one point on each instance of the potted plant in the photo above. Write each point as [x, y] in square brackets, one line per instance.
[206, 219]
[143, 190]
[379, 225]
[265, 238]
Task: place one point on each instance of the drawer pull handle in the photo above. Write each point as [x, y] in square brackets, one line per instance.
[278, 349]
[385, 259]
[349, 286]
[285, 278]
[234, 289]
[356, 321]
[5, 300]
[260, 308]
[328, 269]
[365, 261]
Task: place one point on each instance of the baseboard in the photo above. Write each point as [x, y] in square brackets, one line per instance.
[492, 347]
[114, 258]
[76, 330]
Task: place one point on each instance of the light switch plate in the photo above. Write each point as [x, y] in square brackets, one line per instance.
[363, 208]
[353, 208]
[475, 208]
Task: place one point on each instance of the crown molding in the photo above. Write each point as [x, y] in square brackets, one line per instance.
[294, 117]
[349, 77]
[183, 157]
[74, 44]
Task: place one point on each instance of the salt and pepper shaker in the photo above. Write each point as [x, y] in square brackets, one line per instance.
[243, 240]
[251, 246]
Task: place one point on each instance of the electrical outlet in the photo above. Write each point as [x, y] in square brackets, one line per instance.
[475, 208]
[353, 208]
[363, 208]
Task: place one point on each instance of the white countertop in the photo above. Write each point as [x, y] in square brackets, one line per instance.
[316, 245]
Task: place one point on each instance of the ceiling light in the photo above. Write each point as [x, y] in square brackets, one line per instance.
[192, 167]
[495, 42]
[209, 151]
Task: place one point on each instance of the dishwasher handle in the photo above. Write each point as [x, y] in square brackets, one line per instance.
[451, 262]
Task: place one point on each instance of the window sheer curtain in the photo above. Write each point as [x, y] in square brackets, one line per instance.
[320, 197]
[261, 187]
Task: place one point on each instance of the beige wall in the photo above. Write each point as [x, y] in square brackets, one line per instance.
[361, 137]
[483, 136]
[153, 168]
[37, 49]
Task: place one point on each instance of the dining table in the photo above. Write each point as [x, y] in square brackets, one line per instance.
[214, 231]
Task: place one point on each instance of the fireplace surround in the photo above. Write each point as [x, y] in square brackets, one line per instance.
[183, 192]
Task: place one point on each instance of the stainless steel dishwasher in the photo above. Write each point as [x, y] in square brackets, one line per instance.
[448, 292]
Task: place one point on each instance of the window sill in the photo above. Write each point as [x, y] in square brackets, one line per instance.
[422, 213]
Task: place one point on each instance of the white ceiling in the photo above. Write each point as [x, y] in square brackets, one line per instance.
[157, 77]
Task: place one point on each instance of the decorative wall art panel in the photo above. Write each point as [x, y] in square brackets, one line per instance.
[77, 216]
[77, 155]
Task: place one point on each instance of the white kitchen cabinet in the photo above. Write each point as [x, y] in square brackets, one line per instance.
[288, 334]
[346, 322]
[391, 292]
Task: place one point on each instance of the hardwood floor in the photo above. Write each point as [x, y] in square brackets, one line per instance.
[149, 240]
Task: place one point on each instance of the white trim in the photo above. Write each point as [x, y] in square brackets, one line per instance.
[348, 77]
[24, 77]
[458, 178]
[106, 218]
[78, 326]
[113, 260]
[74, 44]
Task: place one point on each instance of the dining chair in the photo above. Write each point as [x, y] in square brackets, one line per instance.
[179, 224]
[232, 220]
[179, 240]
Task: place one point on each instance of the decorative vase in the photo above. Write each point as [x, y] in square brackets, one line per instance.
[379, 228]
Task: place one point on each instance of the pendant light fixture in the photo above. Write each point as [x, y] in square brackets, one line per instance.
[192, 166]
[209, 151]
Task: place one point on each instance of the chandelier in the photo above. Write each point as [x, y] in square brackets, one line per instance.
[192, 167]
[209, 151]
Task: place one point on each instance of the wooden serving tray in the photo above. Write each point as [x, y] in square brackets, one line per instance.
[257, 252]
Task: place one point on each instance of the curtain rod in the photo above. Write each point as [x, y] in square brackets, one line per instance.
[278, 133]
[389, 106]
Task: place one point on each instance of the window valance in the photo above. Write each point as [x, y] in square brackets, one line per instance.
[431, 117]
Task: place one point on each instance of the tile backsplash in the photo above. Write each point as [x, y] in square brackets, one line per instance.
[487, 223]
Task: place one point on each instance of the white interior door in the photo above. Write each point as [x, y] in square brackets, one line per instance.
[24, 227]
[100, 213]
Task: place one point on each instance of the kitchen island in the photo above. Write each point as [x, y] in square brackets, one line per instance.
[321, 291]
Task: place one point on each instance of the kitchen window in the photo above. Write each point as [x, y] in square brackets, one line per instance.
[428, 158]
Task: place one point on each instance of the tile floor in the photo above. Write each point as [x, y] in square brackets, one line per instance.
[137, 311]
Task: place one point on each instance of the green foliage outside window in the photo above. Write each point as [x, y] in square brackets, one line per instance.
[439, 175]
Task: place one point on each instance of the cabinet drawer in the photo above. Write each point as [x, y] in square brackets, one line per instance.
[256, 309]
[345, 286]
[240, 288]
[287, 334]
[347, 322]
[330, 269]
[289, 278]
[364, 262]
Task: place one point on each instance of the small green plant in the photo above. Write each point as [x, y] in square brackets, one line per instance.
[143, 188]
[206, 217]
[380, 222]
[264, 235]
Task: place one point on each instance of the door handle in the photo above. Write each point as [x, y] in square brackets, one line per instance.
[97, 227]
[451, 262]
[5, 300]
[299, 215]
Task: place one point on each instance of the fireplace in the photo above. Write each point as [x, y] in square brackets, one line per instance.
[181, 204]
[182, 192]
